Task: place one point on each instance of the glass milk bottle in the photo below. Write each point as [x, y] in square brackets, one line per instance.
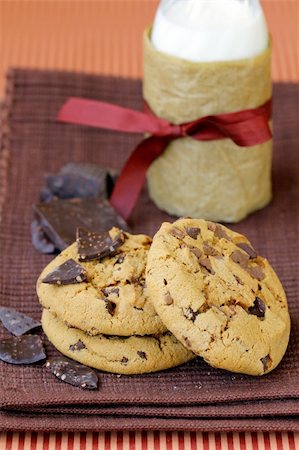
[208, 57]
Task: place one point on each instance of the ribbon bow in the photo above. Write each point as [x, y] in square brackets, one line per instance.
[245, 128]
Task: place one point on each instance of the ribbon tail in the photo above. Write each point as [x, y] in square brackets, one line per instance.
[131, 179]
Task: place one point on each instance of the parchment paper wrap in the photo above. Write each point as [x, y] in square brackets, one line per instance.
[214, 180]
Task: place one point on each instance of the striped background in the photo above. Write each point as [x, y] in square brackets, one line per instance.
[104, 36]
[149, 441]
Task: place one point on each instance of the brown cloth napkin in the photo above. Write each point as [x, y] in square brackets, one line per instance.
[193, 396]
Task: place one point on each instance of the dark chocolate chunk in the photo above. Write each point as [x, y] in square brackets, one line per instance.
[248, 249]
[110, 306]
[176, 232]
[27, 349]
[267, 362]
[168, 300]
[124, 361]
[258, 308]
[97, 246]
[142, 355]
[40, 240]
[46, 195]
[94, 214]
[73, 373]
[190, 314]
[16, 322]
[256, 272]
[78, 346]
[70, 272]
[193, 232]
[81, 180]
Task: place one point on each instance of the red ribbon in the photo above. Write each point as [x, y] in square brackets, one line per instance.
[245, 128]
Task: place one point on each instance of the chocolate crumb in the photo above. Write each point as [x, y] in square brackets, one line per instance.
[109, 291]
[168, 300]
[165, 282]
[124, 361]
[187, 341]
[190, 314]
[142, 355]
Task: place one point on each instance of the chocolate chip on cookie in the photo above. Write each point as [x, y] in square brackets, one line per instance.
[176, 232]
[142, 355]
[73, 373]
[248, 249]
[78, 346]
[70, 272]
[97, 245]
[209, 250]
[258, 309]
[27, 349]
[257, 272]
[17, 323]
[193, 232]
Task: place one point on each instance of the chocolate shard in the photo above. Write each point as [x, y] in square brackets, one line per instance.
[196, 251]
[73, 373]
[97, 245]
[240, 258]
[258, 308]
[248, 249]
[27, 349]
[218, 230]
[94, 214]
[70, 272]
[80, 180]
[40, 240]
[17, 323]
[193, 232]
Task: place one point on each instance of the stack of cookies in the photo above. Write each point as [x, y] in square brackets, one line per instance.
[126, 304]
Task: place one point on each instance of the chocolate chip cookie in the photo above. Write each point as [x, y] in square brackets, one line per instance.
[218, 296]
[98, 285]
[125, 355]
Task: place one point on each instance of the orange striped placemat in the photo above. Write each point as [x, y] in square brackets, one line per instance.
[149, 441]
